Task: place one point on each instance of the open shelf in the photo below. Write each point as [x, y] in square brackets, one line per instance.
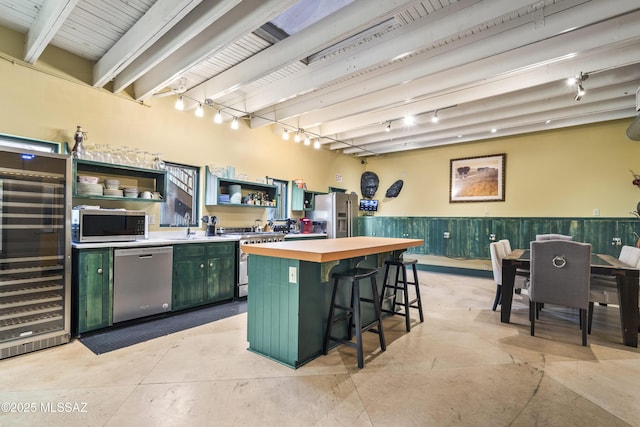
[252, 194]
[152, 180]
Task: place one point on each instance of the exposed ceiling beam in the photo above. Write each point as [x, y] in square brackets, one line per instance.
[159, 19]
[201, 17]
[415, 68]
[50, 18]
[241, 20]
[473, 89]
[353, 18]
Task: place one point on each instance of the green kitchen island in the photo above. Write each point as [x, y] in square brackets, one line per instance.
[290, 290]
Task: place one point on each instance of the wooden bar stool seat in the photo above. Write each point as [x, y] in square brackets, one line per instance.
[401, 284]
[352, 313]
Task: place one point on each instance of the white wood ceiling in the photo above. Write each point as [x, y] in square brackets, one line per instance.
[350, 78]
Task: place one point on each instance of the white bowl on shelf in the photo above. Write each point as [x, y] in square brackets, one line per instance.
[85, 179]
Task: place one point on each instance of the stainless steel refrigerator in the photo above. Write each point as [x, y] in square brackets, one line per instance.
[35, 249]
[339, 210]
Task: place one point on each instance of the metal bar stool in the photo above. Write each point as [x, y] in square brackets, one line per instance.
[402, 285]
[352, 313]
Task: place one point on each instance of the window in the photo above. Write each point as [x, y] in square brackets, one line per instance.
[280, 211]
[181, 205]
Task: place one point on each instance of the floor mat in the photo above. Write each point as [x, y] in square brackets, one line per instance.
[124, 336]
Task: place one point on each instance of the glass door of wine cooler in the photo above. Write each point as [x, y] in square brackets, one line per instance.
[35, 249]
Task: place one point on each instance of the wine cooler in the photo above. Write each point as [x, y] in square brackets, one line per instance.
[35, 250]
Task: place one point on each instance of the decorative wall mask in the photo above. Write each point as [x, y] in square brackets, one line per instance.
[395, 188]
[369, 184]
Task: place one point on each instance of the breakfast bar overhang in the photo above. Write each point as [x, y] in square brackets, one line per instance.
[289, 290]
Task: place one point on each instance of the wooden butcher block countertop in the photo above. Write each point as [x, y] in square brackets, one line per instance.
[330, 249]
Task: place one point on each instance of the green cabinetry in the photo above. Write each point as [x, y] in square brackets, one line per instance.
[203, 273]
[470, 237]
[92, 279]
[302, 199]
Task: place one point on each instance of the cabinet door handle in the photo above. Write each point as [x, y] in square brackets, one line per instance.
[99, 271]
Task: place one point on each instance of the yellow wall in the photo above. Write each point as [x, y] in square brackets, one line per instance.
[565, 173]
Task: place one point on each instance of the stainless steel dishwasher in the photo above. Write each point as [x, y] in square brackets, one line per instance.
[141, 282]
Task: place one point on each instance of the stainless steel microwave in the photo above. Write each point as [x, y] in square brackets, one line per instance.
[107, 225]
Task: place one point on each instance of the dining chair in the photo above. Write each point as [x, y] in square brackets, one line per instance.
[498, 250]
[560, 274]
[604, 289]
[541, 237]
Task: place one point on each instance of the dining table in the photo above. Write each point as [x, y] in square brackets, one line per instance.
[627, 279]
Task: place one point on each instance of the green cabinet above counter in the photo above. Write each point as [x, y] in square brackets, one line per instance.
[302, 199]
[220, 191]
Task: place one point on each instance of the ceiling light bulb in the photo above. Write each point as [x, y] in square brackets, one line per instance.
[296, 138]
[307, 140]
[180, 104]
[218, 117]
[435, 118]
[494, 130]
[388, 128]
[234, 123]
[285, 134]
[199, 111]
[409, 120]
[571, 81]
[316, 144]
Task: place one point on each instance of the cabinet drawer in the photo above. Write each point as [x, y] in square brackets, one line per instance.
[221, 248]
[189, 251]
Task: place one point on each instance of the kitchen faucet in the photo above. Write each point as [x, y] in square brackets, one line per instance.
[187, 219]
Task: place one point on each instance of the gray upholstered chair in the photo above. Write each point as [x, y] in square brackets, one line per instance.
[541, 237]
[560, 274]
[499, 250]
[604, 289]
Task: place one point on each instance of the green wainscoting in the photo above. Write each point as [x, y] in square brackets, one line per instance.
[470, 237]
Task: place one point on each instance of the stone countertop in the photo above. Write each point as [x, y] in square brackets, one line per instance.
[163, 238]
[159, 239]
[325, 250]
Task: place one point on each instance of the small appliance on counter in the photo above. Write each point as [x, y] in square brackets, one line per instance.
[306, 226]
[280, 225]
[320, 227]
[210, 222]
[107, 225]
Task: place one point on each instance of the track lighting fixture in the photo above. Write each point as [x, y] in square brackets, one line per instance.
[580, 92]
[409, 120]
[435, 118]
[578, 80]
[299, 134]
[387, 128]
[180, 104]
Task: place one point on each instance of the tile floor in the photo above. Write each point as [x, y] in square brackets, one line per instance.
[461, 367]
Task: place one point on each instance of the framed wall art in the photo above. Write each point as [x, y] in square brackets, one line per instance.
[477, 179]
